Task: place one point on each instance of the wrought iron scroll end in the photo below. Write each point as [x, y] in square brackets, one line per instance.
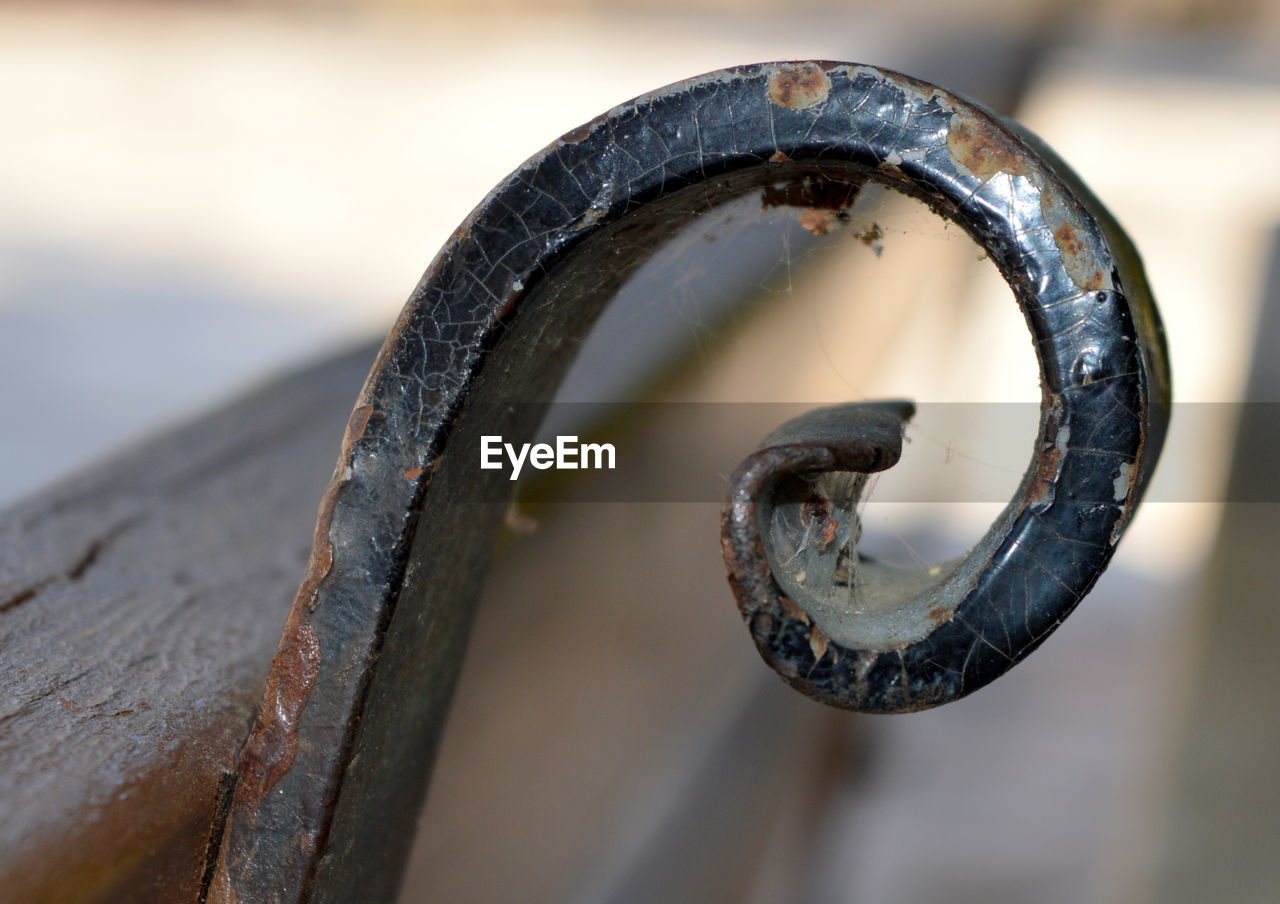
[790, 529]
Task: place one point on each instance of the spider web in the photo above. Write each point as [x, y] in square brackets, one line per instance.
[756, 303]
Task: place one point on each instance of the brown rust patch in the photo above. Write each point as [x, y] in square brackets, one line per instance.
[818, 222]
[940, 615]
[1083, 273]
[517, 292]
[1065, 220]
[891, 169]
[321, 562]
[220, 889]
[357, 424]
[871, 237]
[1045, 479]
[413, 473]
[574, 136]
[321, 551]
[779, 157]
[799, 87]
[818, 643]
[1068, 239]
[273, 746]
[829, 533]
[816, 514]
[984, 148]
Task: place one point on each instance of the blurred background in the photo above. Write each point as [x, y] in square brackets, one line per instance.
[197, 197]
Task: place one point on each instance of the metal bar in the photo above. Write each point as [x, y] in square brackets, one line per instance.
[141, 602]
[330, 779]
[860, 635]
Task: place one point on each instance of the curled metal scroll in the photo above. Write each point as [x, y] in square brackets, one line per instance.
[326, 793]
[862, 635]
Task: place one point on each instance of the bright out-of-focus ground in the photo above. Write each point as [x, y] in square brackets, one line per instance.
[195, 196]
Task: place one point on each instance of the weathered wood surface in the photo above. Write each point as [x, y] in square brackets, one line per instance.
[140, 603]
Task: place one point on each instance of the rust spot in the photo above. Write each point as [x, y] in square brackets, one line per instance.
[508, 306]
[273, 746]
[871, 238]
[321, 550]
[574, 136]
[321, 562]
[983, 148]
[819, 222]
[799, 87]
[817, 643]
[413, 473]
[220, 889]
[779, 157]
[1068, 240]
[816, 513]
[891, 169]
[1045, 478]
[1085, 267]
[357, 424]
[1083, 274]
[789, 606]
[940, 615]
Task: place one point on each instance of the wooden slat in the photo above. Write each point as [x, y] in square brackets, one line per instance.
[140, 604]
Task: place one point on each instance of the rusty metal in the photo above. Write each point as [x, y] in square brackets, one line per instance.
[331, 778]
[861, 635]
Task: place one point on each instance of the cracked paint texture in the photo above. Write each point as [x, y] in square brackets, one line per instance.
[497, 315]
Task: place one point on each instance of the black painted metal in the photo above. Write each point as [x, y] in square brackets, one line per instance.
[333, 773]
[860, 636]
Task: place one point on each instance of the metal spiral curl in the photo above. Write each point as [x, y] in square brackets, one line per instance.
[863, 635]
[327, 789]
